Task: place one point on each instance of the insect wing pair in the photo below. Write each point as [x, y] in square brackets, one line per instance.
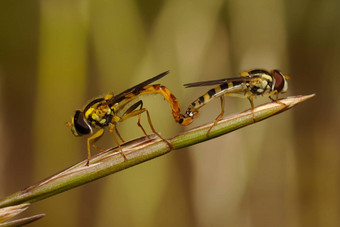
[249, 85]
[106, 111]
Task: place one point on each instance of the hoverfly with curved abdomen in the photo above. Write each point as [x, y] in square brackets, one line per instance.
[249, 85]
[109, 110]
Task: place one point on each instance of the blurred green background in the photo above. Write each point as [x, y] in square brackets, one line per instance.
[56, 55]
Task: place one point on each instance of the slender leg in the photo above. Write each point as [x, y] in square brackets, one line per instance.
[132, 109]
[138, 121]
[219, 117]
[140, 111]
[141, 127]
[251, 100]
[95, 137]
[154, 131]
[95, 146]
[112, 127]
[274, 93]
[118, 134]
[277, 97]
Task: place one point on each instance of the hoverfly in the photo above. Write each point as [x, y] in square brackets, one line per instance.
[249, 85]
[108, 111]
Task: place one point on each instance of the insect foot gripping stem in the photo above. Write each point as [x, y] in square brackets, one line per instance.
[106, 111]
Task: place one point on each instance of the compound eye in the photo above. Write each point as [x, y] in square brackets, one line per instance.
[80, 123]
[279, 80]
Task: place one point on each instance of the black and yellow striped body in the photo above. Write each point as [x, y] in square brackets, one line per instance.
[102, 112]
[220, 90]
[110, 110]
[249, 85]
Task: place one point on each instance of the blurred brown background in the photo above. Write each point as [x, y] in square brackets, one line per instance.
[55, 55]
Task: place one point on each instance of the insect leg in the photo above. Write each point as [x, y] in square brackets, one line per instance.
[118, 134]
[272, 93]
[131, 109]
[139, 124]
[154, 131]
[251, 100]
[219, 117]
[139, 112]
[277, 97]
[95, 137]
[112, 127]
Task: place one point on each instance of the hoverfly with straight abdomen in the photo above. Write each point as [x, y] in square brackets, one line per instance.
[108, 111]
[249, 85]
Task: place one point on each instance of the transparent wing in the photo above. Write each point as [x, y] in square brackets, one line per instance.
[135, 89]
[220, 81]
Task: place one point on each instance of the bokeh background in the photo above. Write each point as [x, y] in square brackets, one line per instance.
[56, 55]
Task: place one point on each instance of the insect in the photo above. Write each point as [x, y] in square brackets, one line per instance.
[249, 85]
[108, 111]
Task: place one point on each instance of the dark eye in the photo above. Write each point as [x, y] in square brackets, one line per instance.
[279, 80]
[80, 123]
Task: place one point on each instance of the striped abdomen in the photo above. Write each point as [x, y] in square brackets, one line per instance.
[169, 97]
[223, 89]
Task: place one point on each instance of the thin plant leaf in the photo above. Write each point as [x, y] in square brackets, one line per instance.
[11, 211]
[141, 150]
[22, 221]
